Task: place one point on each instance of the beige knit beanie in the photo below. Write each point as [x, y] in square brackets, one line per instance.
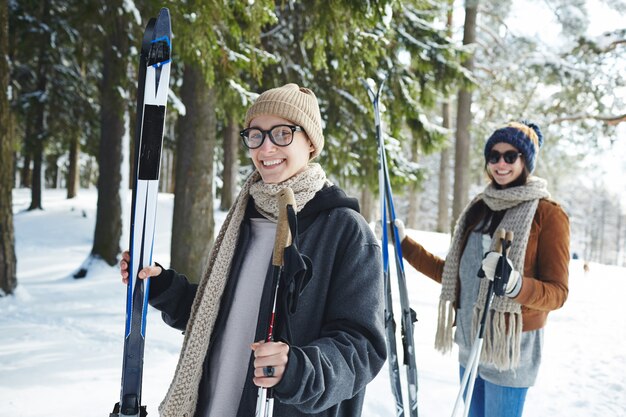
[294, 103]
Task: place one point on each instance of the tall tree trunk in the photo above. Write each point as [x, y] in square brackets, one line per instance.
[25, 172]
[169, 160]
[73, 169]
[443, 200]
[464, 119]
[8, 260]
[618, 234]
[166, 175]
[37, 174]
[15, 182]
[108, 231]
[39, 110]
[88, 179]
[193, 224]
[415, 201]
[443, 206]
[51, 173]
[415, 190]
[230, 145]
[368, 205]
[601, 241]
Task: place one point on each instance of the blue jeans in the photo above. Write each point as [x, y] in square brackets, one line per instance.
[491, 400]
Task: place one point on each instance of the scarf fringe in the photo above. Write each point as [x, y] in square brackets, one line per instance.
[502, 338]
[443, 338]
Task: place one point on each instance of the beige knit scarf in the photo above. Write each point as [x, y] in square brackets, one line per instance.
[502, 338]
[182, 396]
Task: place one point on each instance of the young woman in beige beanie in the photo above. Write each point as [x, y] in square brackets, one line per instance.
[334, 343]
[538, 258]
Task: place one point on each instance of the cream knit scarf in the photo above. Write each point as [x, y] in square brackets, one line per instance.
[502, 337]
[182, 396]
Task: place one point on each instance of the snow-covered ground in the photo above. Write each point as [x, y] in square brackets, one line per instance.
[61, 338]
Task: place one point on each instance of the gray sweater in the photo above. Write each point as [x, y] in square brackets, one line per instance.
[530, 356]
[228, 370]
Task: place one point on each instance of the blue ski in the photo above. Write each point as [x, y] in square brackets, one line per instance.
[153, 86]
[408, 317]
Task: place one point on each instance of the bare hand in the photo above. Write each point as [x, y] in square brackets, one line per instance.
[148, 271]
[269, 354]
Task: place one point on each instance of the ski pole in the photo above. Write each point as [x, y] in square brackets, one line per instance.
[503, 243]
[265, 396]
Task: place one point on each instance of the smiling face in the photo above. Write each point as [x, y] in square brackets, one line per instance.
[501, 172]
[279, 163]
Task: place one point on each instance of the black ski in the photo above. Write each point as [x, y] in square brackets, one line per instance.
[152, 89]
[388, 216]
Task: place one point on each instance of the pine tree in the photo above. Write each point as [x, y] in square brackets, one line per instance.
[8, 261]
[214, 41]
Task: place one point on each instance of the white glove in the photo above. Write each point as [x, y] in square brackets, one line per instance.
[490, 264]
[400, 226]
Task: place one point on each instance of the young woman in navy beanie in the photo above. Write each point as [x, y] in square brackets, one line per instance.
[517, 201]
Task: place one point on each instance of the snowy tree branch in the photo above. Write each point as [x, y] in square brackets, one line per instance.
[609, 120]
[614, 45]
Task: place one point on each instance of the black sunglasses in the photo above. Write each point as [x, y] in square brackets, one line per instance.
[509, 157]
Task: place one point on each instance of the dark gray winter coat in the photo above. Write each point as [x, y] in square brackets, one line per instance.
[337, 343]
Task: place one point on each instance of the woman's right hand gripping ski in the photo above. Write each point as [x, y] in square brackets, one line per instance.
[148, 271]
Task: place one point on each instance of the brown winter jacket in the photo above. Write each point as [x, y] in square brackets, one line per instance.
[544, 286]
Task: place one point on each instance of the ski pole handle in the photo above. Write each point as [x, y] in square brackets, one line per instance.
[503, 270]
[508, 239]
[500, 236]
[283, 234]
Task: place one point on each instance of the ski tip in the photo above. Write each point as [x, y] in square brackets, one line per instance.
[147, 38]
[159, 50]
[164, 13]
[163, 25]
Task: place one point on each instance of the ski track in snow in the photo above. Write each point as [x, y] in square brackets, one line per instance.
[62, 338]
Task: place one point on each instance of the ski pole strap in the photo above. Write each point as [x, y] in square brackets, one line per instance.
[283, 234]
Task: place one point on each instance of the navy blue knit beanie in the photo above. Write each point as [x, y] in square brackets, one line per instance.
[525, 136]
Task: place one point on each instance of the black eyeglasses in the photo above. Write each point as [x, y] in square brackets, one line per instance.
[280, 135]
[509, 157]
